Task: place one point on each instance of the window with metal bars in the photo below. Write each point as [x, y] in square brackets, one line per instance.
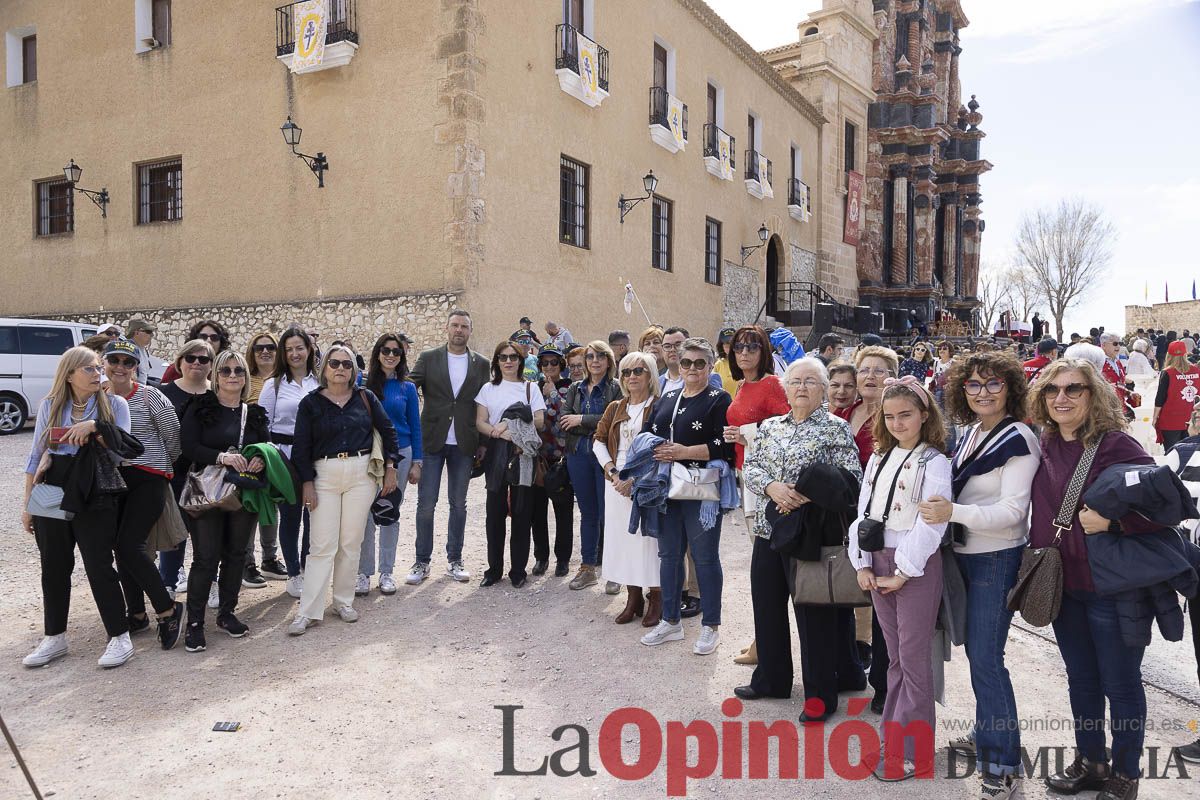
[660, 234]
[160, 192]
[56, 207]
[572, 202]
[712, 251]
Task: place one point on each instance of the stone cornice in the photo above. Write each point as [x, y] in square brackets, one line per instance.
[720, 28]
[954, 9]
[864, 27]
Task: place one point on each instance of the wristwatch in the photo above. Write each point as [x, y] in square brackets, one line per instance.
[899, 573]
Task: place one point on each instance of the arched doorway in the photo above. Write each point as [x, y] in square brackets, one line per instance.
[774, 261]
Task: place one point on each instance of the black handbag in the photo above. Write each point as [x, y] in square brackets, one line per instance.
[557, 481]
[870, 531]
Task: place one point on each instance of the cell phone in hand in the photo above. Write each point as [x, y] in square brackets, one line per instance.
[57, 434]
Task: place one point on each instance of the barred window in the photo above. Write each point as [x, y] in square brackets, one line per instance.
[712, 251]
[572, 202]
[160, 191]
[660, 234]
[56, 207]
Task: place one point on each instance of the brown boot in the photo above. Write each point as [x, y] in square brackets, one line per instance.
[654, 608]
[634, 606]
[749, 655]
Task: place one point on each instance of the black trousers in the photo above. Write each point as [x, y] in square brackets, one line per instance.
[498, 503]
[564, 524]
[95, 533]
[1194, 613]
[218, 537]
[879, 660]
[138, 511]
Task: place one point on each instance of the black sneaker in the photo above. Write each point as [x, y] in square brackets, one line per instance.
[232, 625]
[274, 570]
[251, 578]
[1190, 752]
[168, 629]
[690, 607]
[193, 639]
[562, 569]
[137, 624]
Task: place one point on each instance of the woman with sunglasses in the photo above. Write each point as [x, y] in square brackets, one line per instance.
[919, 363]
[629, 560]
[506, 498]
[1077, 408]
[260, 355]
[193, 363]
[554, 387]
[387, 379]
[335, 431]
[292, 381]
[208, 330]
[581, 411]
[992, 477]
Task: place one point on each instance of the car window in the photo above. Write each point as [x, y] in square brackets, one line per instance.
[8, 341]
[39, 341]
[86, 333]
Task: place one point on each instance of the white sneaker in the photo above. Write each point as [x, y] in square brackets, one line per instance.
[181, 581]
[457, 571]
[300, 625]
[119, 650]
[997, 787]
[418, 573]
[708, 641]
[295, 585]
[387, 584]
[664, 632]
[214, 596]
[362, 587]
[50, 648]
[347, 613]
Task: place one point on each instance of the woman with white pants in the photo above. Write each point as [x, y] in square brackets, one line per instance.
[335, 426]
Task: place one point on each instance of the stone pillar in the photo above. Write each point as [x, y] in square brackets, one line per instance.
[949, 243]
[923, 230]
[971, 232]
[900, 228]
[955, 99]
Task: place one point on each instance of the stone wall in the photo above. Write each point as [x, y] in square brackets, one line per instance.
[1164, 316]
[360, 320]
[804, 265]
[742, 299]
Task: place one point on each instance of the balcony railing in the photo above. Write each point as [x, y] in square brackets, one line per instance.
[798, 194]
[341, 25]
[712, 146]
[752, 171]
[566, 53]
[659, 103]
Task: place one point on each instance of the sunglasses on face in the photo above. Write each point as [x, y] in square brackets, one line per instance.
[117, 361]
[693, 363]
[337, 363]
[264, 348]
[236, 372]
[973, 388]
[747, 347]
[191, 358]
[550, 362]
[594, 357]
[503, 357]
[638, 371]
[209, 337]
[391, 351]
[112, 334]
[1072, 390]
[92, 370]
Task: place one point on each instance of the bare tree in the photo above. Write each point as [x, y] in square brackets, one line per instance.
[991, 296]
[1023, 294]
[1068, 249]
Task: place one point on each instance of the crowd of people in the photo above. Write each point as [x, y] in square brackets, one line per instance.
[929, 473]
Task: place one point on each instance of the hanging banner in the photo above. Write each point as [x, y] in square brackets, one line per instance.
[854, 187]
[589, 69]
[675, 119]
[725, 154]
[763, 176]
[308, 31]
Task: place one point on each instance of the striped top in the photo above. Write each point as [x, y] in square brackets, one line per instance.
[154, 422]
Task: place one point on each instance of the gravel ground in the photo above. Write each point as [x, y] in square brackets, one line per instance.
[402, 704]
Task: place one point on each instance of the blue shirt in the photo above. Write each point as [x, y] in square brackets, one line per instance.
[400, 403]
[121, 419]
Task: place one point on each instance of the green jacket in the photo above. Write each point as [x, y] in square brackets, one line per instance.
[279, 489]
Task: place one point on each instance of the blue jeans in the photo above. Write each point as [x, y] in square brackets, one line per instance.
[170, 562]
[680, 529]
[988, 578]
[587, 479]
[389, 535]
[458, 464]
[1100, 666]
[295, 551]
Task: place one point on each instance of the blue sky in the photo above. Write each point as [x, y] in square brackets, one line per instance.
[1090, 98]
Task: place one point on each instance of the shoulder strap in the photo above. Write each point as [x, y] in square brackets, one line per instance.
[887, 511]
[1070, 503]
[242, 427]
[1002, 426]
[527, 400]
[674, 413]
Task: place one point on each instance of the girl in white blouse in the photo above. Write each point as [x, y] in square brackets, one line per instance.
[901, 565]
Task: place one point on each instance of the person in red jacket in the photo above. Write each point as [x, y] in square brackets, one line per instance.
[1114, 370]
[1047, 351]
[1178, 391]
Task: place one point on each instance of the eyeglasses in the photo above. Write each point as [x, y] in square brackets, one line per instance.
[993, 386]
[117, 361]
[192, 358]
[236, 372]
[875, 372]
[693, 363]
[508, 357]
[209, 337]
[594, 356]
[638, 371]
[575, 367]
[1072, 390]
[91, 370]
[672, 347]
[337, 363]
[391, 351]
[747, 347]
[807, 383]
[264, 348]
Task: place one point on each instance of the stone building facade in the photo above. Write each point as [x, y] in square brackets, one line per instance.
[1178, 316]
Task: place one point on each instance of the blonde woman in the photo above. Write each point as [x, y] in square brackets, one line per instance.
[261, 355]
[335, 426]
[72, 413]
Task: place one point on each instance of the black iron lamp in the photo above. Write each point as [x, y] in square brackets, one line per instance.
[72, 172]
[318, 163]
[763, 235]
[649, 183]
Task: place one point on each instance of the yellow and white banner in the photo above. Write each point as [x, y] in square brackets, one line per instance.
[762, 174]
[309, 25]
[589, 67]
[675, 119]
[723, 152]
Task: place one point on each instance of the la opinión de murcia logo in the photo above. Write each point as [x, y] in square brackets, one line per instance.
[736, 750]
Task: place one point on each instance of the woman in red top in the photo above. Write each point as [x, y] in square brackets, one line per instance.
[760, 396]
[1178, 391]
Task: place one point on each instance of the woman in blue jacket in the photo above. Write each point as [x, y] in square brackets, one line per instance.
[387, 378]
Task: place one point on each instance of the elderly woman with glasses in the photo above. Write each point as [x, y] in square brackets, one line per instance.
[692, 422]
[554, 384]
[650, 341]
[335, 432]
[803, 460]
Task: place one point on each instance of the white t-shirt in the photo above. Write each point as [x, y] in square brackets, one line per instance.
[670, 384]
[457, 365]
[498, 397]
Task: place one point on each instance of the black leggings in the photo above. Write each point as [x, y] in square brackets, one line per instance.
[218, 537]
[95, 533]
[139, 510]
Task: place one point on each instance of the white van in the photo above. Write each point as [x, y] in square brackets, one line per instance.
[29, 353]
